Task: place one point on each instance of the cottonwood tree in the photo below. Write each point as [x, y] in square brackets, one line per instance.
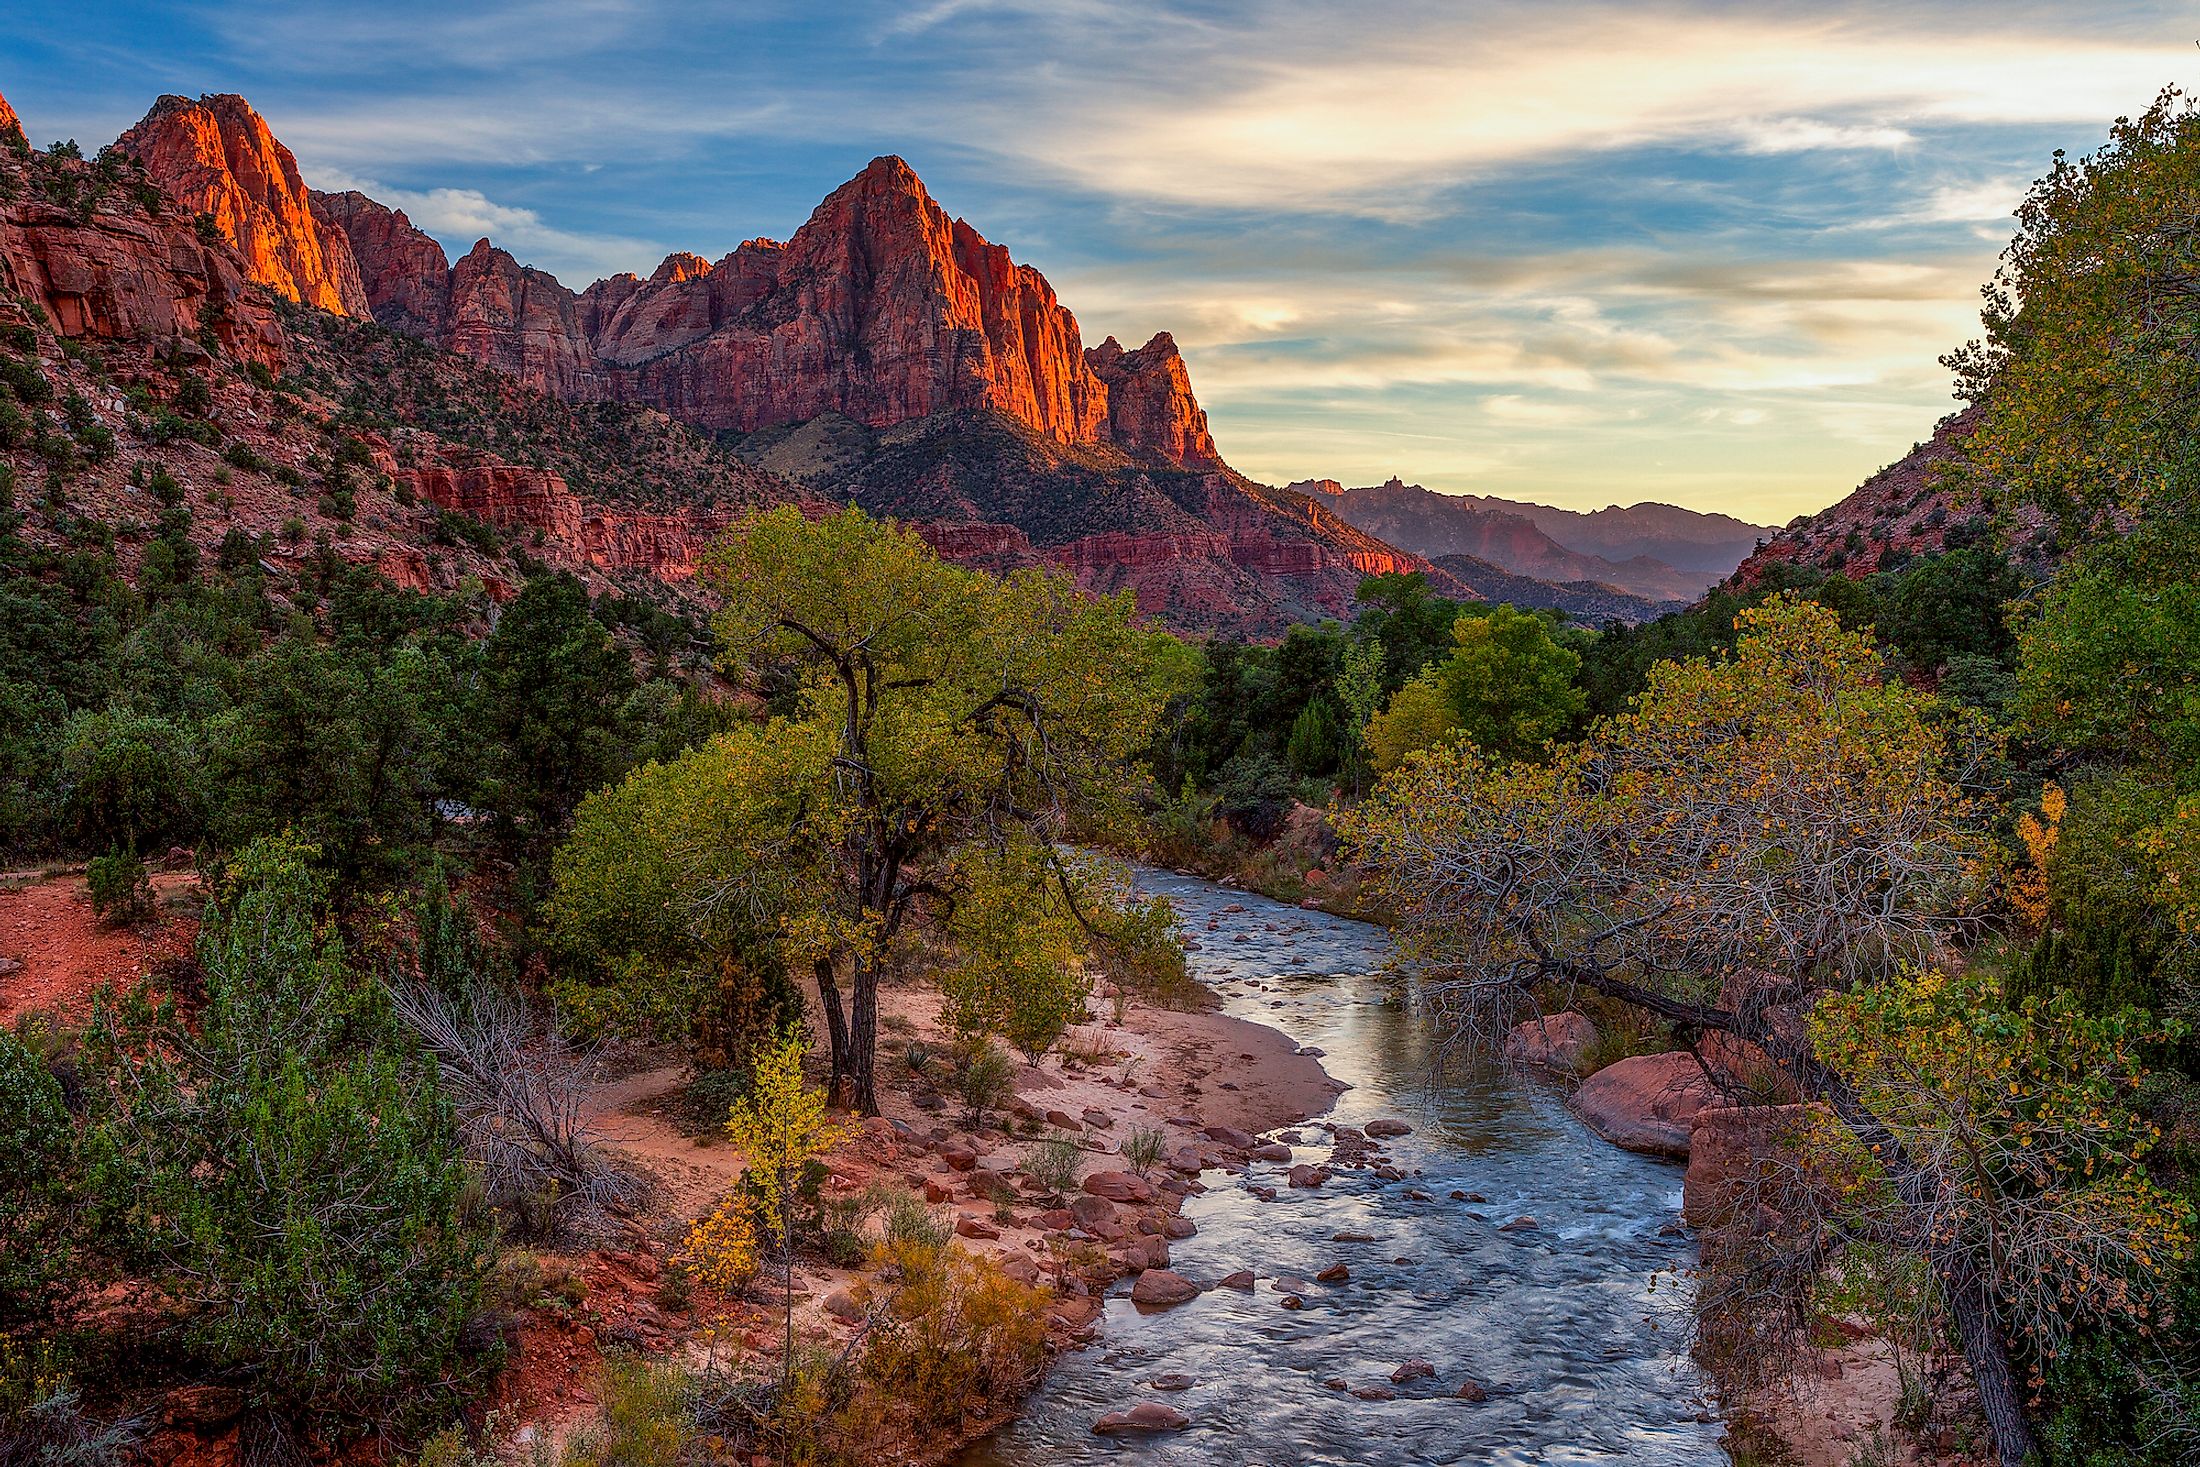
[1756, 833]
[947, 728]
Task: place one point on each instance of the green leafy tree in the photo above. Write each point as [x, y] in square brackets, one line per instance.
[547, 715]
[958, 715]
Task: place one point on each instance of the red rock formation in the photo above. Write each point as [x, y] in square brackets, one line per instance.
[124, 274]
[10, 123]
[601, 537]
[406, 275]
[1150, 402]
[880, 308]
[215, 156]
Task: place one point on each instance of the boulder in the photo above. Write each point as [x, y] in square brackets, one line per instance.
[1470, 1390]
[967, 1226]
[1271, 1151]
[959, 1158]
[1305, 1175]
[1388, 1126]
[1119, 1187]
[1336, 1273]
[841, 1304]
[1098, 1119]
[1735, 1157]
[1646, 1103]
[1412, 1370]
[1158, 1288]
[1242, 1281]
[1556, 1042]
[1143, 1417]
[1231, 1136]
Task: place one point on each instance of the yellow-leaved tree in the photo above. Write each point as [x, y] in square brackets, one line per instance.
[780, 1127]
[1761, 838]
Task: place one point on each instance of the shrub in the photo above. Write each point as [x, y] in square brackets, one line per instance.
[122, 894]
[1142, 1148]
[42, 1420]
[909, 1222]
[39, 1141]
[646, 1419]
[295, 1098]
[987, 1079]
[1055, 1165]
[959, 1341]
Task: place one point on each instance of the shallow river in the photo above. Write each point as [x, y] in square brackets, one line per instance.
[1575, 1328]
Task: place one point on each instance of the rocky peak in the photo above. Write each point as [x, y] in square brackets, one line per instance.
[403, 270]
[1150, 403]
[215, 156]
[10, 123]
[679, 266]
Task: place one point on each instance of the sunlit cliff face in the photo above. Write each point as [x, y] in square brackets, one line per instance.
[1571, 252]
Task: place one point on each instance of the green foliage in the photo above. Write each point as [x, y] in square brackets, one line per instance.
[38, 1207]
[2086, 378]
[288, 1164]
[121, 893]
[1508, 688]
[131, 779]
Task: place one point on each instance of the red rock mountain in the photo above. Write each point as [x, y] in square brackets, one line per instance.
[9, 122]
[215, 156]
[880, 309]
[886, 354]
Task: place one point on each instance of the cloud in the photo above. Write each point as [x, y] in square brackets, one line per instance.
[459, 216]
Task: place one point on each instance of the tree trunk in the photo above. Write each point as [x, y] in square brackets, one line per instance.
[1987, 1349]
[863, 1040]
[836, 1028]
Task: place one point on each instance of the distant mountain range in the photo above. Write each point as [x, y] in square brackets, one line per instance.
[885, 354]
[1655, 554]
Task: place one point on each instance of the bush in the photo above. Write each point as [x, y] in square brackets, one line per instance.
[36, 1207]
[987, 1079]
[122, 894]
[295, 1166]
[1055, 1165]
[959, 1341]
[42, 1420]
[1142, 1148]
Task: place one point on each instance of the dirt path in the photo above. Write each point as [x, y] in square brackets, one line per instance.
[54, 951]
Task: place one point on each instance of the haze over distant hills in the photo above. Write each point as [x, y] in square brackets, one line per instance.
[1659, 553]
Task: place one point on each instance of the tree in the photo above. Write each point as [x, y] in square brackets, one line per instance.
[780, 1127]
[2086, 381]
[1507, 687]
[553, 683]
[1754, 833]
[943, 715]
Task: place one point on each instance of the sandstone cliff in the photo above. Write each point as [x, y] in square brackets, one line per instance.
[881, 308]
[102, 265]
[10, 124]
[216, 156]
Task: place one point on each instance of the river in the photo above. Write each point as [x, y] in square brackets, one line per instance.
[1576, 1328]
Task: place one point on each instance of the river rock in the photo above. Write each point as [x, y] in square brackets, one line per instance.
[1119, 1187]
[1305, 1175]
[1735, 1157]
[1173, 1381]
[1231, 1136]
[1158, 1288]
[1412, 1370]
[1646, 1103]
[1521, 1225]
[1388, 1126]
[1291, 1284]
[1470, 1390]
[1145, 1416]
[1336, 1273]
[1375, 1393]
[1271, 1151]
[1242, 1281]
[1178, 1228]
[1556, 1042]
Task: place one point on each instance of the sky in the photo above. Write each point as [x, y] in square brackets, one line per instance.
[1706, 253]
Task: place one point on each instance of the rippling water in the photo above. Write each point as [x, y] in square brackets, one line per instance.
[1575, 1329]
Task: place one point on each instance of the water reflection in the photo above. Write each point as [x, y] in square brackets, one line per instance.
[1573, 1327]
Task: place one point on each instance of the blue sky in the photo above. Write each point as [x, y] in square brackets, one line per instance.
[1577, 253]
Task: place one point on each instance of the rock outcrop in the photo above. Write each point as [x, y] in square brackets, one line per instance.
[10, 124]
[1743, 1157]
[215, 156]
[118, 272]
[1556, 1042]
[404, 272]
[1150, 401]
[1647, 1103]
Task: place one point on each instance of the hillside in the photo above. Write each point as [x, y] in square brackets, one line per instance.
[146, 367]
